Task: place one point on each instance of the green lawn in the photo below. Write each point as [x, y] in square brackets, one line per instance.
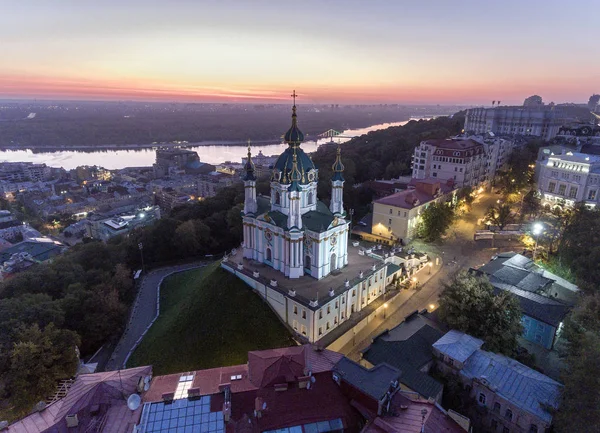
[208, 318]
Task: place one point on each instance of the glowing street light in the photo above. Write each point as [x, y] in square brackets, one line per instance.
[431, 307]
[430, 266]
[385, 307]
[537, 231]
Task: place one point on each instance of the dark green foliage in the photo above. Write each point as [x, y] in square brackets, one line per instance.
[581, 394]
[216, 318]
[435, 220]
[80, 299]
[38, 358]
[500, 215]
[468, 304]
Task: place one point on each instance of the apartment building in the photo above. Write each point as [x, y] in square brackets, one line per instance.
[458, 159]
[517, 398]
[396, 217]
[568, 178]
[537, 120]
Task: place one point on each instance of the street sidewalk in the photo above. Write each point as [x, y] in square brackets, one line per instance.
[395, 310]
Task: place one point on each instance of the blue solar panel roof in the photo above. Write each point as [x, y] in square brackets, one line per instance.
[181, 416]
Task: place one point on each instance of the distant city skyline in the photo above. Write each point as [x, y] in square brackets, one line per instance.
[411, 52]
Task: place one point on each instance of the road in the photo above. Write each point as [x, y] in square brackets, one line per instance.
[459, 251]
[144, 312]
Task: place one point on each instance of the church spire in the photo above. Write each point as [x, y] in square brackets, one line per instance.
[249, 167]
[338, 167]
[294, 136]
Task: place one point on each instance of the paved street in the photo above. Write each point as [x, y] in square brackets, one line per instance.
[144, 312]
[459, 251]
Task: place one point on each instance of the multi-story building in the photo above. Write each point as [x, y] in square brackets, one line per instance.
[568, 178]
[209, 184]
[497, 151]
[104, 226]
[517, 398]
[537, 120]
[396, 217]
[24, 171]
[545, 298]
[179, 161]
[458, 159]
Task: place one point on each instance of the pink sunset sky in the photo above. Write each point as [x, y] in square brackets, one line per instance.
[430, 51]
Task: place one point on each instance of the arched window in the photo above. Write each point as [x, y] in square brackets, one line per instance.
[269, 255]
[508, 415]
[310, 197]
[277, 198]
[333, 264]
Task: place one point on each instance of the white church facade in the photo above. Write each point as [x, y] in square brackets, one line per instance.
[293, 232]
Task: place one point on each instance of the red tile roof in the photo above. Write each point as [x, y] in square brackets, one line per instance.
[408, 418]
[412, 198]
[459, 148]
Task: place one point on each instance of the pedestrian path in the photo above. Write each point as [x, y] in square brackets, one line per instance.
[145, 311]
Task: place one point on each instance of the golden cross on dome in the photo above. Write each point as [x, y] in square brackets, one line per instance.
[293, 95]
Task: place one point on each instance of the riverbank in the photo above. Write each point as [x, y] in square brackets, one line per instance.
[115, 158]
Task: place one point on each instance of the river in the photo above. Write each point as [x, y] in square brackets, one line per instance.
[116, 159]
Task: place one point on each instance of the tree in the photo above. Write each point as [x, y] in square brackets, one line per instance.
[38, 360]
[531, 204]
[466, 194]
[500, 216]
[468, 304]
[581, 394]
[435, 220]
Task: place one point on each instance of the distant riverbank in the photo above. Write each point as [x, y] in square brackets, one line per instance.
[144, 156]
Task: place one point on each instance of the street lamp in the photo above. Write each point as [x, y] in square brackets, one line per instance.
[385, 307]
[537, 230]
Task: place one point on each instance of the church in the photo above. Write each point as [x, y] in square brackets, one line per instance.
[292, 231]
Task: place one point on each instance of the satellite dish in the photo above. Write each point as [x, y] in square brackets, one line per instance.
[147, 379]
[134, 401]
[312, 379]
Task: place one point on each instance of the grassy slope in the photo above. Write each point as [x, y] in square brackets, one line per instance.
[208, 318]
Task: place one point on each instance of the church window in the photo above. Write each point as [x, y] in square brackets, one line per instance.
[310, 197]
[320, 314]
[277, 197]
[343, 301]
[269, 256]
[328, 309]
[295, 309]
[336, 304]
[304, 314]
